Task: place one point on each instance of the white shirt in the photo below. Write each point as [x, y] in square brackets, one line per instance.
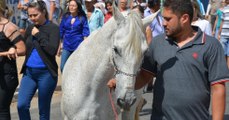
[204, 25]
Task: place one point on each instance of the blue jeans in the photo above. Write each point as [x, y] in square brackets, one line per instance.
[64, 57]
[225, 43]
[33, 79]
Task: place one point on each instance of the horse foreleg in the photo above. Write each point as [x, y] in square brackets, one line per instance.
[139, 107]
[139, 103]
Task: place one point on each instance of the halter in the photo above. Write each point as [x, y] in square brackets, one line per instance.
[118, 71]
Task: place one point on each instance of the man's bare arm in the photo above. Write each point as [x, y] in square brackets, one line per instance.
[218, 101]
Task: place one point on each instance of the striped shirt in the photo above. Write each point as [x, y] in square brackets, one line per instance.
[225, 18]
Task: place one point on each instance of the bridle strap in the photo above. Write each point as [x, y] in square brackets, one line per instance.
[117, 71]
[113, 105]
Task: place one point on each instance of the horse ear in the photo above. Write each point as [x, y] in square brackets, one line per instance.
[116, 13]
[147, 20]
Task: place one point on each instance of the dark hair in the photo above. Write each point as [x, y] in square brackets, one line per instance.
[108, 2]
[197, 9]
[180, 7]
[40, 6]
[153, 3]
[80, 9]
[5, 10]
[140, 8]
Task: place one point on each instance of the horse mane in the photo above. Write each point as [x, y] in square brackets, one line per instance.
[136, 40]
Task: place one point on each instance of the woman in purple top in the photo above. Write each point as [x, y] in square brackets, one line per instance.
[73, 30]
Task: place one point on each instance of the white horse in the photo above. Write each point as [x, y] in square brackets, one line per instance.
[116, 50]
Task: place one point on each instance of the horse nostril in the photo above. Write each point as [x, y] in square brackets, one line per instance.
[126, 104]
[120, 102]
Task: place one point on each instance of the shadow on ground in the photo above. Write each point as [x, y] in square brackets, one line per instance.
[145, 112]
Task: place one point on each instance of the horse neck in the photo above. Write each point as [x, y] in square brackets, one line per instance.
[101, 44]
[102, 37]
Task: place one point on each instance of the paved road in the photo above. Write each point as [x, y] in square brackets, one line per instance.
[56, 112]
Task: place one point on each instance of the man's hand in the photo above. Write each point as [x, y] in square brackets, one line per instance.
[112, 83]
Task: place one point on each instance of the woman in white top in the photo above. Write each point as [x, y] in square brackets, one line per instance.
[198, 20]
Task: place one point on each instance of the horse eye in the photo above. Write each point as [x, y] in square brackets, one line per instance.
[117, 51]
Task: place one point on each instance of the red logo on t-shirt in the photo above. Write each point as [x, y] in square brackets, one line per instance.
[194, 55]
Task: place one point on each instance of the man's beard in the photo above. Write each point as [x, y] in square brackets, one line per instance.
[175, 32]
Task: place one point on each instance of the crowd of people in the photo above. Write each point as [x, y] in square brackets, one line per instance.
[188, 52]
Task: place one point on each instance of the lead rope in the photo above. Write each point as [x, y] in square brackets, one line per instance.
[113, 106]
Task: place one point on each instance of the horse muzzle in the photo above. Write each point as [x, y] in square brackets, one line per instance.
[127, 101]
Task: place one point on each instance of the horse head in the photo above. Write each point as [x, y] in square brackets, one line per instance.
[129, 46]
